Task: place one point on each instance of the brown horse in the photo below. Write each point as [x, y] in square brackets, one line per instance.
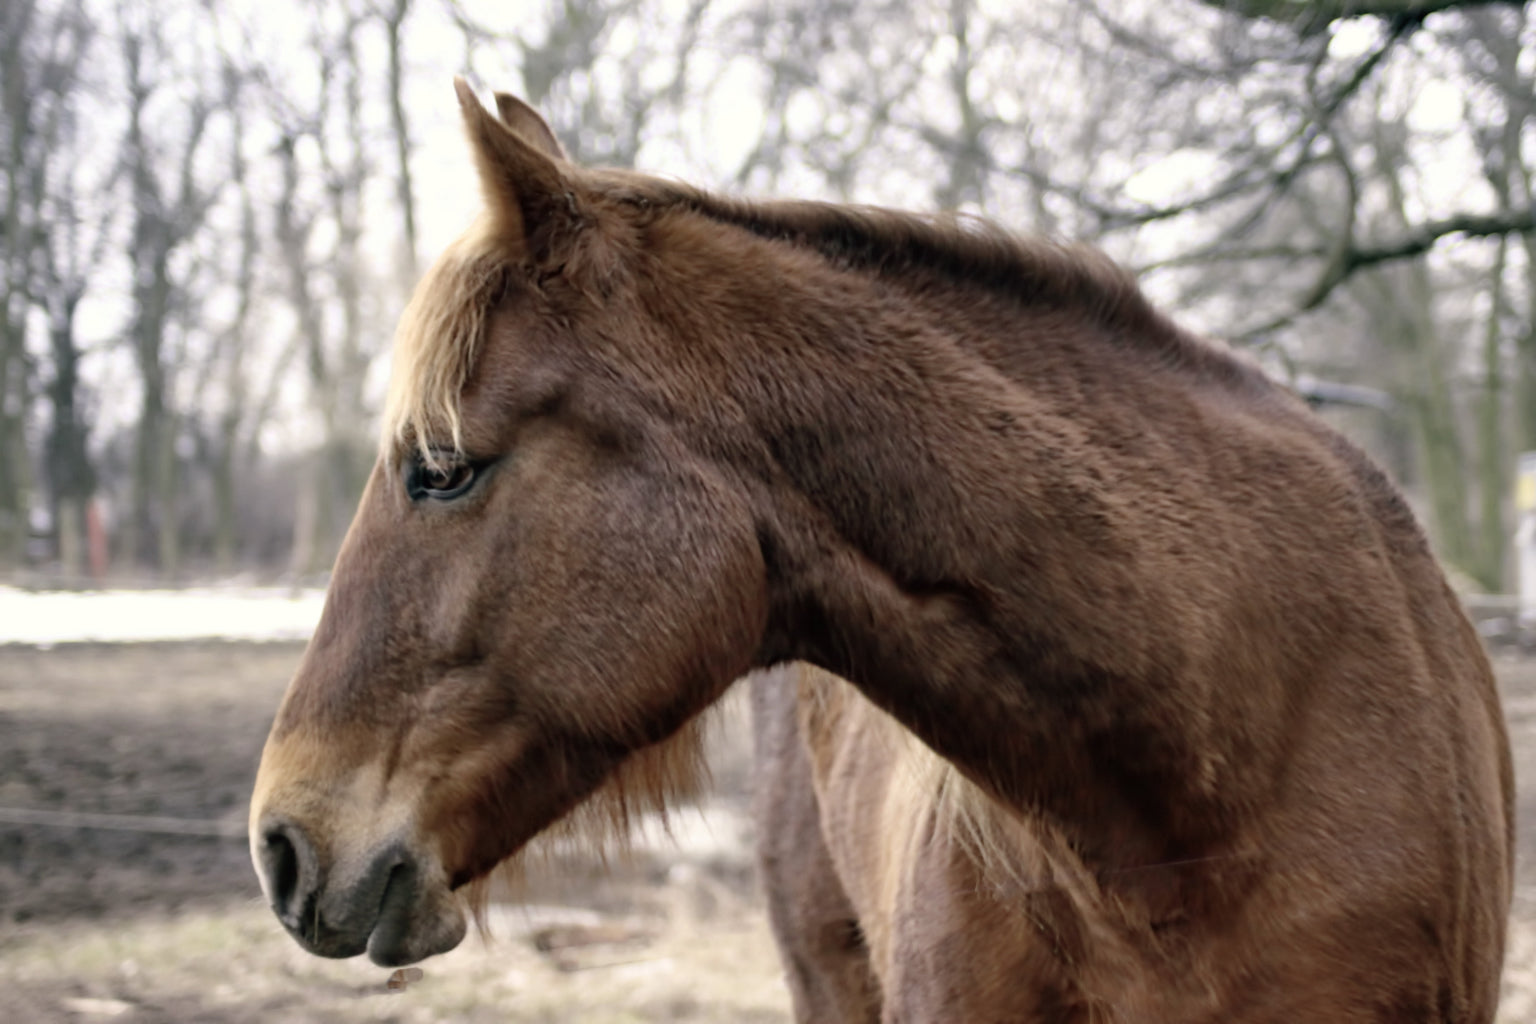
[1163, 709]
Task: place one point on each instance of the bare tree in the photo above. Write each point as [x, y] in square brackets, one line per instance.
[81, 219]
[169, 202]
[40, 58]
[326, 293]
[393, 16]
[1313, 16]
[602, 95]
[1491, 42]
[228, 359]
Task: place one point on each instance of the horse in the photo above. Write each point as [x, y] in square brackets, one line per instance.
[1136, 693]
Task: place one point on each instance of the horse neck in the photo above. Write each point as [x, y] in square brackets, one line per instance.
[940, 528]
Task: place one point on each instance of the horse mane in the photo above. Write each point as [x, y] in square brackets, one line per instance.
[1034, 272]
[962, 249]
[964, 816]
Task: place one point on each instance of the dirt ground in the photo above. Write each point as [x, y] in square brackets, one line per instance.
[140, 926]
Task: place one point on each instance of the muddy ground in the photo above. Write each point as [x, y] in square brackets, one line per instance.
[139, 926]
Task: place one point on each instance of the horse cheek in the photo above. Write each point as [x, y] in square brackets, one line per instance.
[662, 601]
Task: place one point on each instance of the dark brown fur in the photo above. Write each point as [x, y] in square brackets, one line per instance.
[1221, 744]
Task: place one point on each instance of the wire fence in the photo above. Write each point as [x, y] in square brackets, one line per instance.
[151, 824]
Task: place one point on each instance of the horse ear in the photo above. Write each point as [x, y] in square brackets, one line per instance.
[524, 120]
[524, 183]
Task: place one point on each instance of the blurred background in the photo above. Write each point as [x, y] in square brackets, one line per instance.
[213, 211]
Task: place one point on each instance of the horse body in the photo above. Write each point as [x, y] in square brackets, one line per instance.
[1217, 741]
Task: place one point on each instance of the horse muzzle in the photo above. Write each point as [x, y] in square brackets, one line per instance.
[389, 902]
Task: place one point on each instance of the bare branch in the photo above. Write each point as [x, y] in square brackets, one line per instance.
[1220, 253]
[1309, 16]
[1271, 170]
[1414, 243]
[1424, 237]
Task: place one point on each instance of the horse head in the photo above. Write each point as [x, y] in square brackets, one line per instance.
[543, 581]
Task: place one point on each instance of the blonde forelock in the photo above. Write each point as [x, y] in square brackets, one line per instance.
[437, 341]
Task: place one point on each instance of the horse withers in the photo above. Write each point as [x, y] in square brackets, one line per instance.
[1138, 695]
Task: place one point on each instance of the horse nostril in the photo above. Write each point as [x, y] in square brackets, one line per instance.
[288, 862]
[282, 867]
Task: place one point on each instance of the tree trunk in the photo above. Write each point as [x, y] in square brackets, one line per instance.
[71, 477]
[1442, 459]
[406, 271]
[1398, 305]
[311, 519]
[13, 448]
[168, 534]
[69, 526]
[301, 556]
[1402, 312]
[15, 19]
[225, 526]
[965, 178]
[150, 487]
[1493, 460]
[1525, 358]
[234, 416]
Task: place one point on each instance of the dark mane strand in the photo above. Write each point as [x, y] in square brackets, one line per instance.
[973, 252]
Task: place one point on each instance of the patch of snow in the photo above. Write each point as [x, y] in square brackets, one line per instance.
[98, 1007]
[45, 618]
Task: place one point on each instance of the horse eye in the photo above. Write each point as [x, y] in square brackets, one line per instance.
[447, 478]
[442, 482]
